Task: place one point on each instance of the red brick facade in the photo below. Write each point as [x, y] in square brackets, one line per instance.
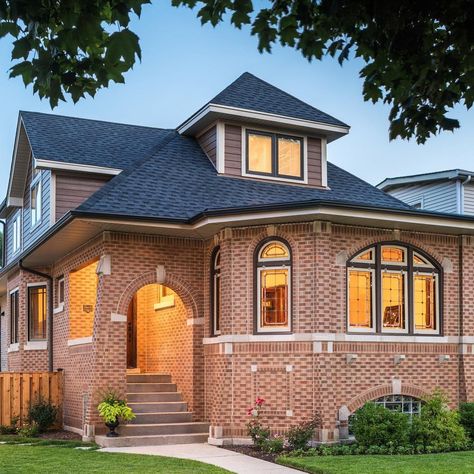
[299, 373]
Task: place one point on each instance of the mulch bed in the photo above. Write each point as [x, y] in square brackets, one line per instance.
[61, 435]
[254, 452]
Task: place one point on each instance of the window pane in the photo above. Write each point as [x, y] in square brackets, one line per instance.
[274, 297]
[425, 302]
[366, 256]
[360, 299]
[217, 302]
[260, 153]
[274, 250]
[289, 156]
[393, 254]
[393, 300]
[37, 312]
[14, 308]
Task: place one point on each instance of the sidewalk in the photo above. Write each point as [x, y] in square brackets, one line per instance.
[235, 462]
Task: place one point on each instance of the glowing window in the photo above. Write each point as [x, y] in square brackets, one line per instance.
[424, 301]
[393, 301]
[393, 254]
[37, 298]
[360, 299]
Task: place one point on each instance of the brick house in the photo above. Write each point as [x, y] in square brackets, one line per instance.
[197, 268]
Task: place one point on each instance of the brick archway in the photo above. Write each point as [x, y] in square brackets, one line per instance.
[180, 287]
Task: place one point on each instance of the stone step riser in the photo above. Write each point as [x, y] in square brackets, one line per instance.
[150, 387]
[154, 397]
[150, 418]
[148, 378]
[167, 407]
[163, 429]
[126, 441]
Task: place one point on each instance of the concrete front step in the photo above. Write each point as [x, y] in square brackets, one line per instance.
[158, 440]
[158, 397]
[148, 378]
[152, 407]
[172, 417]
[150, 387]
[162, 429]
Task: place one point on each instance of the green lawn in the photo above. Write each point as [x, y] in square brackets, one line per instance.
[15, 459]
[446, 463]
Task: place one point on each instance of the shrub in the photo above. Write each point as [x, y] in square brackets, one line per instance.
[7, 429]
[374, 425]
[273, 445]
[438, 428]
[42, 414]
[28, 430]
[466, 414]
[300, 435]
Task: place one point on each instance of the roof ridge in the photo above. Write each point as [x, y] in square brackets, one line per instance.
[20, 112]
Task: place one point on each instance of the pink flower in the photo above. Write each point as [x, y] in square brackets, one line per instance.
[259, 401]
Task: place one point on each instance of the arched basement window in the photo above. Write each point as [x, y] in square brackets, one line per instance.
[273, 277]
[216, 292]
[393, 289]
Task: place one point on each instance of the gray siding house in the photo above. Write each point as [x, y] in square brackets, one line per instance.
[450, 191]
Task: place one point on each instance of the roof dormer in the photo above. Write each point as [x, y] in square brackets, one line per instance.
[255, 130]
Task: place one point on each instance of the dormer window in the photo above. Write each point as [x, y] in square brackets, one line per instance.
[274, 155]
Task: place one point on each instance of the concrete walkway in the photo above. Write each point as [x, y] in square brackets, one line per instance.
[230, 460]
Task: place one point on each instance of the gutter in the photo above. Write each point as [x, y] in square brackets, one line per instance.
[3, 246]
[50, 309]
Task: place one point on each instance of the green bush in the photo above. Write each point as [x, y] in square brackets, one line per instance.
[7, 429]
[374, 425]
[438, 428]
[300, 435]
[28, 430]
[113, 407]
[42, 414]
[259, 434]
[273, 445]
[466, 413]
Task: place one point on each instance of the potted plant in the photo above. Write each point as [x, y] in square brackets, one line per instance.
[113, 409]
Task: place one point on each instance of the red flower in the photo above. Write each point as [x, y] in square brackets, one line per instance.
[259, 401]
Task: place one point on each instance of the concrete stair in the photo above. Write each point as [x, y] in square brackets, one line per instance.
[162, 417]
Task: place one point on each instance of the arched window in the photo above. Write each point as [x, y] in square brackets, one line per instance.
[273, 277]
[393, 288]
[216, 292]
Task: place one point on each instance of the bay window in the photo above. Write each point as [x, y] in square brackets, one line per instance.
[273, 278]
[393, 289]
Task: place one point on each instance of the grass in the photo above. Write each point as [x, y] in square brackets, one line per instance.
[41, 458]
[444, 463]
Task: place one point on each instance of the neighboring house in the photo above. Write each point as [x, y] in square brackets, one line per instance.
[449, 191]
[200, 267]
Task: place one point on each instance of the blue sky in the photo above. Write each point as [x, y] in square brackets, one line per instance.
[185, 64]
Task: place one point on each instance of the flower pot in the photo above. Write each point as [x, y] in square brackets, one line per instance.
[112, 426]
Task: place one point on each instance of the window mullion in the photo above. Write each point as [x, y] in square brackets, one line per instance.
[276, 170]
[378, 290]
[410, 316]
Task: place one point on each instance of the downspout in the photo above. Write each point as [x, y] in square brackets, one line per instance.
[50, 310]
[4, 238]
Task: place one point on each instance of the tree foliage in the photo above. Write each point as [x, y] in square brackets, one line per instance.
[418, 55]
[70, 47]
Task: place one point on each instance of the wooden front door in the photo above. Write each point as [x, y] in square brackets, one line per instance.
[132, 334]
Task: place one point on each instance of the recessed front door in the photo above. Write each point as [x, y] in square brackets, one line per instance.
[132, 334]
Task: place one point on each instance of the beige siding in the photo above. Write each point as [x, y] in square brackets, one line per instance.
[314, 162]
[233, 150]
[73, 189]
[208, 142]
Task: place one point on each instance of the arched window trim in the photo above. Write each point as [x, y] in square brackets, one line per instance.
[215, 296]
[265, 263]
[376, 267]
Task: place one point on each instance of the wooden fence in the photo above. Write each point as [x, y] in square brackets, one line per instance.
[18, 390]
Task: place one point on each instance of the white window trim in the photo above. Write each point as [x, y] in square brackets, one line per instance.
[59, 309]
[350, 328]
[421, 265]
[274, 178]
[79, 341]
[405, 302]
[61, 280]
[16, 233]
[359, 260]
[427, 331]
[38, 211]
[266, 329]
[36, 345]
[15, 290]
[391, 262]
[15, 347]
[33, 342]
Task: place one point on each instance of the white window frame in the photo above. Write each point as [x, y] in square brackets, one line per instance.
[14, 345]
[37, 212]
[427, 331]
[32, 342]
[405, 302]
[266, 329]
[360, 260]
[16, 233]
[60, 307]
[351, 328]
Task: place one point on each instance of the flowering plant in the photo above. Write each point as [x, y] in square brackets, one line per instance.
[259, 434]
[255, 410]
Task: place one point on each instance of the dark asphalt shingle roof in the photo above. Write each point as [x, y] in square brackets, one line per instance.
[89, 142]
[179, 182]
[251, 92]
